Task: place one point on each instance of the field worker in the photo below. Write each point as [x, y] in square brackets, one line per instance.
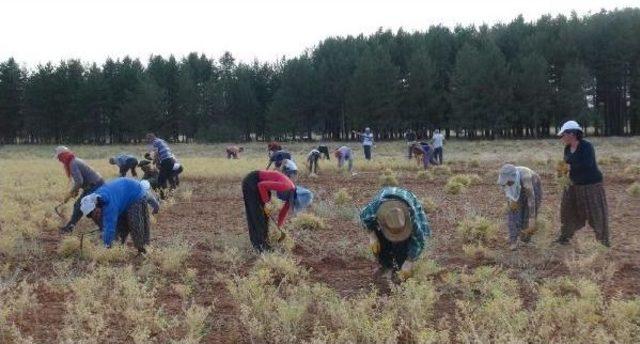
[273, 147]
[161, 151]
[234, 151]
[523, 189]
[150, 173]
[83, 177]
[125, 162]
[398, 228]
[343, 154]
[312, 161]
[290, 169]
[324, 150]
[412, 139]
[174, 179]
[584, 200]
[367, 142]
[438, 144]
[278, 157]
[423, 153]
[119, 207]
[256, 190]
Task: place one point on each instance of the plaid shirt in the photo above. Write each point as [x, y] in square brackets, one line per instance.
[421, 228]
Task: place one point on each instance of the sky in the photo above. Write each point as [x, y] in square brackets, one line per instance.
[38, 31]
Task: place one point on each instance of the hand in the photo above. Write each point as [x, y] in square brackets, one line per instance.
[267, 212]
[514, 206]
[374, 245]
[281, 236]
[406, 271]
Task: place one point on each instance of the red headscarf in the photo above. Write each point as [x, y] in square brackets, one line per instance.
[66, 158]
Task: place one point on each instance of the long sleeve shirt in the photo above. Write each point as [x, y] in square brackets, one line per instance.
[583, 165]
[276, 181]
[421, 228]
[162, 149]
[526, 183]
[84, 177]
[117, 196]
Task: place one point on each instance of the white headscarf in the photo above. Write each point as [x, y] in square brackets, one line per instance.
[510, 173]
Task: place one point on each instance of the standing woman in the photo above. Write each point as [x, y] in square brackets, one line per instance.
[584, 200]
[165, 157]
[367, 142]
[256, 190]
[83, 177]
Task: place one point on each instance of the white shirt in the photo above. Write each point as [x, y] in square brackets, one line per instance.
[289, 165]
[438, 140]
[367, 139]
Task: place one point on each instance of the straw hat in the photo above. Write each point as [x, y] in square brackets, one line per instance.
[394, 220]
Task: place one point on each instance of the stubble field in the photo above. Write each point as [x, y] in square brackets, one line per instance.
[201, 282]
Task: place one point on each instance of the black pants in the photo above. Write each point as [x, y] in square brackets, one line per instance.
[254, 208]
[392, 254]
[174, 180]
[437, 155]
[166, 172]
[130, 164]
[367, 152]
[77, 214]
[324, 150]
[313, 163]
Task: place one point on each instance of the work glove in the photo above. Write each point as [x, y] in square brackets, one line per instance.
[281, 236]
[406, 271]
[562, 169]
[70, 195]
[374, 244]
[514, 206]
[267, 212]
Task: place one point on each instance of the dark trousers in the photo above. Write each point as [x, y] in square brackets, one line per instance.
[392, 254]
[584, 204]
[254, 209]
[324, 150]
[313, 163]
[166, 172]
[367, 152]
[174, 180]
[135, 221]
[130, 164]
[77, 214]
[437, 155]
[232, 154]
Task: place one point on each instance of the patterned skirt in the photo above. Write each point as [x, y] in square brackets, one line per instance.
[135, 221]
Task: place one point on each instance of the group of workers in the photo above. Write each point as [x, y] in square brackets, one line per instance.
[120, 206]
[395, 219]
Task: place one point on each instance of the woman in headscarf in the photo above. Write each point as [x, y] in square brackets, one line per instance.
[82, 176]
[523, 189]
[584, 200]
[256, 190]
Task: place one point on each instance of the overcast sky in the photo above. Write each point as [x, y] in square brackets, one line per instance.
[37, 31]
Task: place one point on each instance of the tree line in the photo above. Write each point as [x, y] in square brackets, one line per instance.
[517, 79]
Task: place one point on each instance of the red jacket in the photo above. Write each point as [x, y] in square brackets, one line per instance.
[275, 181]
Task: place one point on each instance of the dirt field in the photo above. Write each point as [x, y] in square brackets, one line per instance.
[201, 247]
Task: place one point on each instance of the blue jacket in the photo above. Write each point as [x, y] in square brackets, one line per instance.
[117, 196]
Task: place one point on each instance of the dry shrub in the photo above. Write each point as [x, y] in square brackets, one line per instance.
[15, 300]
[306, 221]
[478, 251]
[116, 254]
[478, 230]
[388, 179]
[454, 188]
[70, 246]
[429, 205]
[111, 303]
[634, 189]
[278, 303]
[632, 171]
[195, 321]
[491, 310]
[342, 197]
[170, 258]
[474, 163]
[425, 175]
[16, 245]
[465, 179]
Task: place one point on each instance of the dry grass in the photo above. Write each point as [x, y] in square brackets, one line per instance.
[309, 222]
[634, 190]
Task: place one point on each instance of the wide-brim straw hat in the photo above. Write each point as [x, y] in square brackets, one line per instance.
[394, 220]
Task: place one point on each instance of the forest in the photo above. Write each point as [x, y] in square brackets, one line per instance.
[509, 80]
